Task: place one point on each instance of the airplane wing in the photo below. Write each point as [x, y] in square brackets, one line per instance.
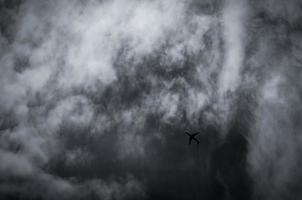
[195, 133]
[188, 133]
[196, 140]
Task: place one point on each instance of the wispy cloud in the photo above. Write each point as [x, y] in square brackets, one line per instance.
[95, 95]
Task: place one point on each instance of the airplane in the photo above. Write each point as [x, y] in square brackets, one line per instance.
[192, 137]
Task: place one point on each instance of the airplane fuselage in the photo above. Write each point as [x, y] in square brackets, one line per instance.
[192, 137]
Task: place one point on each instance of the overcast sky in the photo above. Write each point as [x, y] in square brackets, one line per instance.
[95, 97]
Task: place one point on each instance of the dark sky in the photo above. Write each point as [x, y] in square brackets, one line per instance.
[96, 96]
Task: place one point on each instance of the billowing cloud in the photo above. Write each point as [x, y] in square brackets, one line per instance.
[96, 95]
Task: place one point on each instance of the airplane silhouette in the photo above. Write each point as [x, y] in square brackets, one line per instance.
[192, 137]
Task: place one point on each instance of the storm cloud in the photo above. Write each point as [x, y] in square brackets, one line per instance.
[96, 96]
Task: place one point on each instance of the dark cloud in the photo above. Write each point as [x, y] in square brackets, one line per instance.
[96, 95]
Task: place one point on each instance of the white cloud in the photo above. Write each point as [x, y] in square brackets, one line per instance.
[13, 164]
[233, 18]
[74, 109]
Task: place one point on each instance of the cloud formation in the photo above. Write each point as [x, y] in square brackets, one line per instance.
[95, 96]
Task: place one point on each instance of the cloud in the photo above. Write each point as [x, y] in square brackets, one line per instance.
[50, 187]
[96, 95]
[274, 139]
[65, 93]
[233, 18]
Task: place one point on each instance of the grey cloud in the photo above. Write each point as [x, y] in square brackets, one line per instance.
[96, 96]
